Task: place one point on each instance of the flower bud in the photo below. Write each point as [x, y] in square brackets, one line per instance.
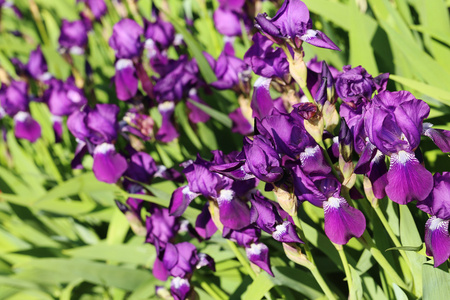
[287, 201]
[295, 254]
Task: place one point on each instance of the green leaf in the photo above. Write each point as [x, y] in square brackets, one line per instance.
[118, 228]
[94, 272]
[407, 248]
[432, 91]
[357, 290]
[409, 235]
[259, 287]
[66, 293]
[140, 254]
[361, 52]
[298, 280]
[85, 183]
[217, 115]
[436, 283]
[399, 293]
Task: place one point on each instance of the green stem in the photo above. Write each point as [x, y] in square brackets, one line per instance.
[367, 242]
[323, 285]
[206, 286]
[303, 238]
[38, 21]
[344, 261]
[328, 159]
[391, 233]
[242, 259]
[312, 267]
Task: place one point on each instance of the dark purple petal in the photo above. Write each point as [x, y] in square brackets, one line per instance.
[227, 22]
[286, 233]
[64, 98]
[180, 200]
[160, 31]
[167, 132]
[408, 180]
[313, 162]
[102, 121]
[258, 253]
[263, 161]
[437, 204]
[240, 123]
[76, 123]
[159, 271]
[108, 164]
[14, 97]
[262, 104]
[126, 79]
[73, 36]
[409, 116]
[319, 39]
[142, 167]
[437, 240]
[439, 136]
[204, 225]
[25, 127]
[233, 213]
[179, 287]
[125, 39]
[342, 222]
[243, 237]
[37, 66]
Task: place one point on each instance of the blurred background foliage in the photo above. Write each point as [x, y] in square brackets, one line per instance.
[61, 235]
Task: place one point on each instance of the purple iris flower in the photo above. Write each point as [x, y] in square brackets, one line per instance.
[317, 66]
[393, 123]
[258, 253]
[108, 165]
[439, 136]
[262, 104]
[140, 125]
[243, 237]
[180, 259]
[177, 79]
[180, 288]
[14, 98]
[342, 221]
[161, 227]
[142, 167]
[292, 22]
[167, 132]
[437, 238]
[126, 80]
[204, 225]
[126, 39]
[229, 70]
[356, 85]
[266, 61]
[25, 127]
[98, 125]
[64, 98]
[240, 123]
[37, 65]
[263, 161]
[268, 217]
[97, 7]
[233, 212]
[227, 17]
[160, 32]
[74, 36]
